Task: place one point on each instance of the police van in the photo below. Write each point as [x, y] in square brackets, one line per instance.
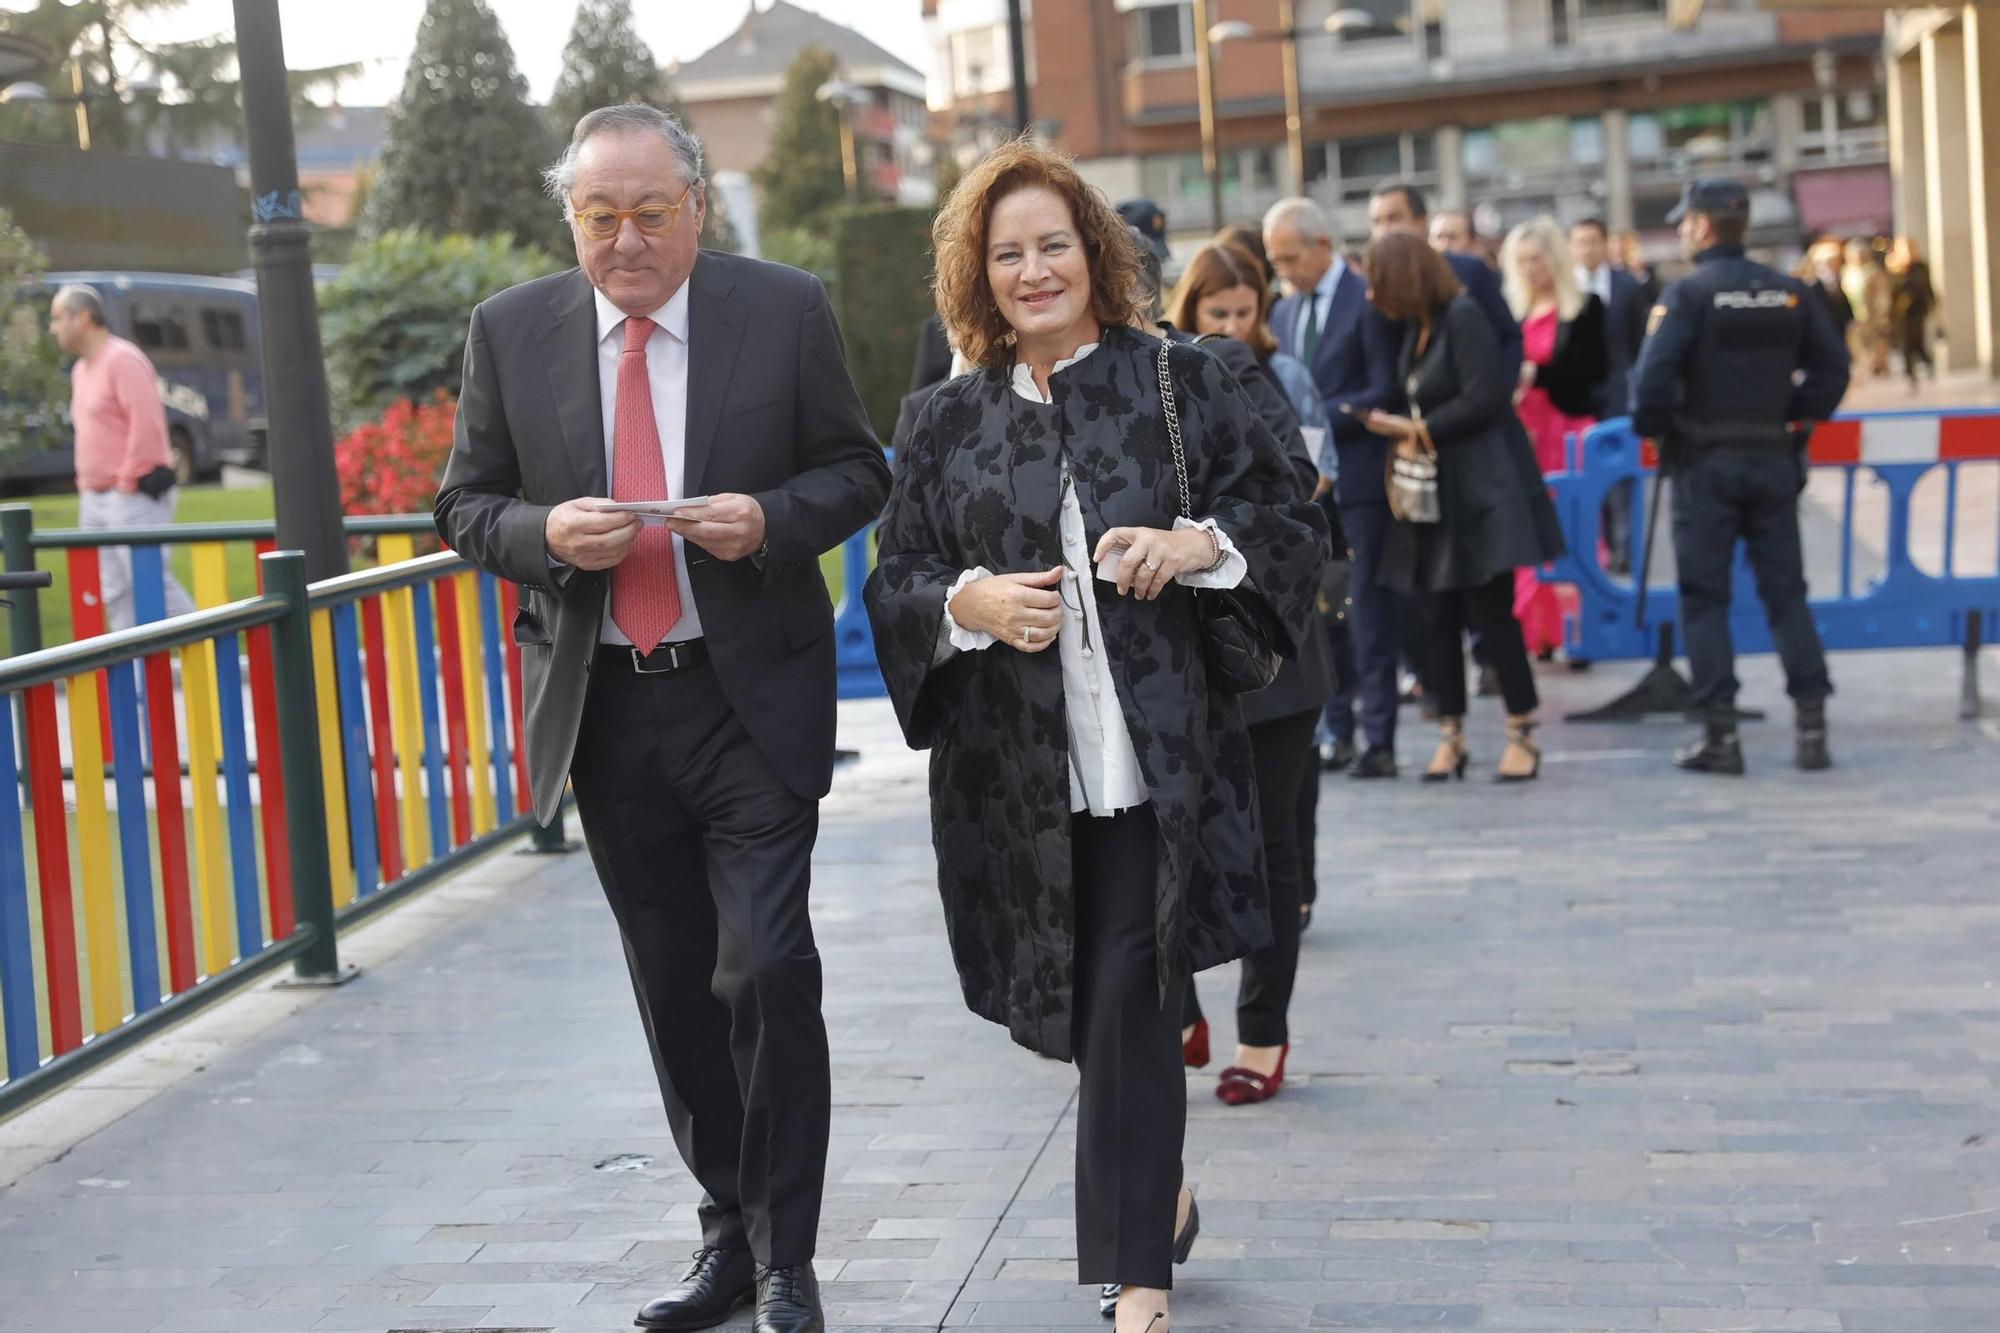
[203, 338]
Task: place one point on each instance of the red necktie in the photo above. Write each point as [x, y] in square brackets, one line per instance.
[645, 595]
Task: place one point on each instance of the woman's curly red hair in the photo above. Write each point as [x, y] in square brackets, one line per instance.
[965, 304]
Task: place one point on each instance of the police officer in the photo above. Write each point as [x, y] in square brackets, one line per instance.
[1737, 364]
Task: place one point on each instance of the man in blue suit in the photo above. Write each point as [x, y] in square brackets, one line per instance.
[1327, 323]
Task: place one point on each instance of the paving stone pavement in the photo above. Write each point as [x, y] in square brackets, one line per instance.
[1624, 1050]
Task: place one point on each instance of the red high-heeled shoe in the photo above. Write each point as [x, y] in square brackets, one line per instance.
[1245, 1087]
[1194, 1050]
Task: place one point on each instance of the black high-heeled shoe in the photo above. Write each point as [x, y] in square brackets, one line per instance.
[1456, 741]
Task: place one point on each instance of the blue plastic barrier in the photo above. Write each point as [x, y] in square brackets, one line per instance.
[1904, 608]
[853, 641]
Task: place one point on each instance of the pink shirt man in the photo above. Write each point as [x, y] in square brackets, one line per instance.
[121, 428]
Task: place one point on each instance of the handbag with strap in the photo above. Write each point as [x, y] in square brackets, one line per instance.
[1413, 472]
[1236, 639]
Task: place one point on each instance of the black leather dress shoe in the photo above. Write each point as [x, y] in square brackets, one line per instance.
[1336, 756]
[788, 1301]
[718, 1282]
[1377, 761]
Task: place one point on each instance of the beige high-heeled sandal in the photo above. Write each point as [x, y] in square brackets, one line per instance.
[1521, 739]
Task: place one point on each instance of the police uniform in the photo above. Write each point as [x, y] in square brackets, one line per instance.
[1737, 359]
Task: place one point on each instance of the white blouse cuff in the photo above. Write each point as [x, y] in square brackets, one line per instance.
[953, 638]
[1227, 574]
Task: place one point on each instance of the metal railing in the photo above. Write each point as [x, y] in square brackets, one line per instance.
[386, 707]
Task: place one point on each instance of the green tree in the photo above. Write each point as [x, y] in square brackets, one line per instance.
[393, 322]
[178, 96]
[800, 182]
[604, 64]
[464, 151]
[34, 392]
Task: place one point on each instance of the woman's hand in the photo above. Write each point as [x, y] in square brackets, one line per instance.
[1154, 557]
[1020, 610]
[1391, 426]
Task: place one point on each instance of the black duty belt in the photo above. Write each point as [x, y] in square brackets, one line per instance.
[662, 661]
[1718, 434]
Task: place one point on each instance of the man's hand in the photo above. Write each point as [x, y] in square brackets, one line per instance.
[578, 535]
[1022, 611]
[728, 527]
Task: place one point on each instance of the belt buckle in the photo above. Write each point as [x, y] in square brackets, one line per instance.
[639, 666]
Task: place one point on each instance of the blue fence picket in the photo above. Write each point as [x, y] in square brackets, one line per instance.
[427, 687]
[134, 838]
[236, 788]
[496, 695]
[354, 744]
[17, 958]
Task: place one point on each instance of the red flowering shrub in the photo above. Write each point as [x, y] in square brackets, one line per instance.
[392, 466]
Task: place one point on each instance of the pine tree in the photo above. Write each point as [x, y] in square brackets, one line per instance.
[800, 181]
[604, 64]
[465, 150]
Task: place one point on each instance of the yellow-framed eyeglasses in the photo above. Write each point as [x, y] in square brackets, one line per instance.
[601, 224]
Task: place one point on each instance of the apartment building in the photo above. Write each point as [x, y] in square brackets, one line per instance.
[1511, 107]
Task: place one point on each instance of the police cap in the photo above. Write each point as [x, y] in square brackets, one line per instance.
[1149, 220]
[1714, 196]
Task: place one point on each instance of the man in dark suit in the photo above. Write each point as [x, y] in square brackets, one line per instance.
[1327, 323]
[682, 671]
[1625, 308]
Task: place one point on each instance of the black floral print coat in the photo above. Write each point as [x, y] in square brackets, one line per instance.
[980, 487]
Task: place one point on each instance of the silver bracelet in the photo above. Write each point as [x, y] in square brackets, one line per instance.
[1214, 542]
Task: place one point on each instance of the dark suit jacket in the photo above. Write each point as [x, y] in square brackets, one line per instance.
[1624, 330]
[1482, 284]
[1354, 365]
[772, 415]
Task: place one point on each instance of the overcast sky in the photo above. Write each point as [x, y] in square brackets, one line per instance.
[381, 32]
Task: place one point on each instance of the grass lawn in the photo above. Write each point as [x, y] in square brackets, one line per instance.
[200, 504]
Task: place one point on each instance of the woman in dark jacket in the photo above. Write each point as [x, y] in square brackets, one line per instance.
[1036, 619]
[1912, 299]
[1495, 510]
[1225, 293]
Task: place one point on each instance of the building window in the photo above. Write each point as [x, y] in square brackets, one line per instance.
[1366, 163]
[1387, 20]
[1678, 139]
[1851, 126]
[978, 62]
[1163, 34]
[1590, 10]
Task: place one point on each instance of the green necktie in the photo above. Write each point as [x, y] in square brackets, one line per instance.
[1310, 338]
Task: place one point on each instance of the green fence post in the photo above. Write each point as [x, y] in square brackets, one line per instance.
[298, 746]
[550, 839]
[17, 549]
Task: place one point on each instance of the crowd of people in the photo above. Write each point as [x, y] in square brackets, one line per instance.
[1879, 296]
[1138, 550]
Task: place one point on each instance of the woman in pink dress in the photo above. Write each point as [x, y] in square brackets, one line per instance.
[1563, 363]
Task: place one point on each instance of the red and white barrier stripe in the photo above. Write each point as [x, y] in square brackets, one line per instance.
[1872, 441]
[1879, 440]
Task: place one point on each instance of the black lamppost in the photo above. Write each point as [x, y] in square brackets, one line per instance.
[300, 443]
[1017, 54]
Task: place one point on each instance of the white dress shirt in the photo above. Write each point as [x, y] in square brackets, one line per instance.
[1104, 773]
[1318, 302]
[1596, 281]
[666, 373]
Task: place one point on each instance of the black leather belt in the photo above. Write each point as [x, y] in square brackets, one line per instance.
[663, 660]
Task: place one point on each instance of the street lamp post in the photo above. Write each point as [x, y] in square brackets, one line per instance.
[1017, 54]
[1288, 34]
[843, 96]
[1204, 75]
[300, 440]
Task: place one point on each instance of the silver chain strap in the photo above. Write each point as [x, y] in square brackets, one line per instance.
[1172, 410]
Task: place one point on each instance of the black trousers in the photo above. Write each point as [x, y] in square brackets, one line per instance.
[1132, 1105]
[1487, 611]
[1283, 752]
[706, 858]
[1752, 494]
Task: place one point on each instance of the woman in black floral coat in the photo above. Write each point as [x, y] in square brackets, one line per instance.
[1092, 807]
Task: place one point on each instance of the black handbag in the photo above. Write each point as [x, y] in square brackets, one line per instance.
[1237, 640]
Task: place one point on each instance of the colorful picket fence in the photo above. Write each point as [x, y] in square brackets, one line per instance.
[194, 804]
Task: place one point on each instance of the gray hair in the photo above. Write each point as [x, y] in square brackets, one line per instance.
[630, 118]
[76, 298]
[1301, 215]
